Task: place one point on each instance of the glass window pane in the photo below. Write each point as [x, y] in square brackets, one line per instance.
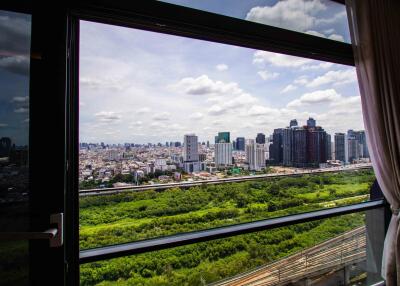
[166, 122]
[321, 18]
[15, 31]
[335, 251]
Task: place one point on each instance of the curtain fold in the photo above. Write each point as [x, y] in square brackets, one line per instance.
[375, 33]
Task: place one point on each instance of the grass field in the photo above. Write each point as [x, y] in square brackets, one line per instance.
[106, 220]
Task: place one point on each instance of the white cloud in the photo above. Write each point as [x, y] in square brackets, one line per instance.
[21, 110]
[102, 83]
[301, 80]
[290, 14]
[315, 33]
[21, 99]
[108, 116]
[316, 97]
[204, 85]
[163, 116]
[279, 60]
[288, 88]
[334, 77]
[216, 110]
[3, 125]
[336, 37]
[319, 66]
[298, 15]
[221, 67]
[143, 110]
[196, 115]
[265, 75]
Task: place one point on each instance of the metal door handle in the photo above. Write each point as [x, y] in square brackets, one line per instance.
[54, 235]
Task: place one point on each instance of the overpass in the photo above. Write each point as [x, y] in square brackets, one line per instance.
[329, 256]
[188, 184]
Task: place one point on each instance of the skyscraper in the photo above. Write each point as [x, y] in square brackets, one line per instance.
[223, 154]
[287, 146]
[311, 122]
[341, 147]
[293, 123]
[240, 143]
[255, 155]
[223, 137]
[190, 149]
[275, 149]
[300, 147]
[260, 139]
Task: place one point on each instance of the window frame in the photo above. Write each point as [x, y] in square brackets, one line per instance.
[171, 19]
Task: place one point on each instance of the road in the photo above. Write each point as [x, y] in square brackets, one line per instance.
[187, 184]
[330, 255]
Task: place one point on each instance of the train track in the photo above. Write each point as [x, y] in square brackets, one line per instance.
[332, 254]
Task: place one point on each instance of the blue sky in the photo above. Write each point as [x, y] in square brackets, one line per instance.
[138, 86]
[14, 76]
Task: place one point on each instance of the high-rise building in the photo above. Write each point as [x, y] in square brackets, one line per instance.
[341, 147]
[5, 146]
[317, 150]
[234, 144]
[287, 146]
[223, 137]
[191, 148]
[255, 155]
[293, 123]
[240, 143]
[260, 139]
[276, 148]
[223, 154]
[362, 140]
[311, 122]
[328, 147]
[354, 149]
[300, 147]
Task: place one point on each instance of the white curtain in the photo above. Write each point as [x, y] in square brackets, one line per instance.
[375, 29]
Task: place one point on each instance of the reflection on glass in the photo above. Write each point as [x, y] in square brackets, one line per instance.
[321, 18]
[335, 251]
[15, 32]
[178, 135]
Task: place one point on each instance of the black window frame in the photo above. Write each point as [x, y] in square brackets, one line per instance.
[175, 20]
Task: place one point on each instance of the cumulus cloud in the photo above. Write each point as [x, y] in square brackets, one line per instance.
[162, 116]
[196, 115]
[216, 110]
[203, 85]
[143, 110]
[221, 67]
[15, 64]
[279, 60]
[265, 75]
[102, 83]
[334, 77]
[290, 14]
[332, 36]
[21, 99]
[289, 88]
[15, 32]
[298, 15]
[21, 110]
[108, 116]
[316, 97]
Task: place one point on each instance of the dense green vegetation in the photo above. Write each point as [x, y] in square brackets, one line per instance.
[106, 220]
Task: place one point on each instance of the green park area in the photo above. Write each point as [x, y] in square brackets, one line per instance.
[131, 216]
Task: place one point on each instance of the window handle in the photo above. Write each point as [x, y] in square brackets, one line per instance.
[54, 235]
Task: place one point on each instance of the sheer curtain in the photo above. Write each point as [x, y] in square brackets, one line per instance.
[375, 29]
